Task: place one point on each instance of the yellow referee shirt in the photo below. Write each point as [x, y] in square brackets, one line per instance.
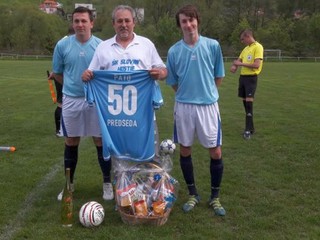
[248, 55]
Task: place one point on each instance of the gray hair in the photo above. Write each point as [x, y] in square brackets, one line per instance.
[123, 7]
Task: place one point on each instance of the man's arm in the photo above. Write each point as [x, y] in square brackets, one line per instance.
[175, 87]
[255, 64]
[218, 81]
[58, 77]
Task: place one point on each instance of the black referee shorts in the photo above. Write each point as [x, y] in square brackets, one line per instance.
[247, 86]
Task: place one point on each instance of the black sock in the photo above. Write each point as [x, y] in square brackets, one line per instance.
[104, 165]
[245, 105]
[216, 172]
[187, 170]
[57, 117]
[249, 116]
[71, 159]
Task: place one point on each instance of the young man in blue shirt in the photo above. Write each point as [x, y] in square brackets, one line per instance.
[72, 55]
[195, 70]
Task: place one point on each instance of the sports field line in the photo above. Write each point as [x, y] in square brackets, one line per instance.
[15, 224]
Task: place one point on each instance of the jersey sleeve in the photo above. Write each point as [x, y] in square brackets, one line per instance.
[259, 52]
[94, 64]
[157, 100]
[172, 77]
[219, 64]
[57, 59]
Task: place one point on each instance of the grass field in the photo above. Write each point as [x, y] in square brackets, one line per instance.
[270, 188]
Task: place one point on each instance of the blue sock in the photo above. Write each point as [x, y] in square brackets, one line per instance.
[216, 172]
[71, 159]
[104, 165]
[187, 170]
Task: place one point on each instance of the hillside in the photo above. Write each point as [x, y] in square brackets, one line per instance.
[276, 24]
[67, 4]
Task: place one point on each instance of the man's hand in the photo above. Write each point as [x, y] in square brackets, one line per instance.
[237, 62]
[158, 73]
[87, 75]
[233, 68]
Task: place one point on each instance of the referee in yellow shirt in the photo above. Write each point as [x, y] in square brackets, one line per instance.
[251, 61]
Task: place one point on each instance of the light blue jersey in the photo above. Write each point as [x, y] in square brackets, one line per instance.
[71, 58]
[194, 69]
[125, 103]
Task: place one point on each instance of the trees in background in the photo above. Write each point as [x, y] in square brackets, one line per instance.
[290, 25]
[24, 29]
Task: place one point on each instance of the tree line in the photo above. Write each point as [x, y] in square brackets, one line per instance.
[290, 25]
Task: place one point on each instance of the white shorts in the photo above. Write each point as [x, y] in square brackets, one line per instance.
[79, 119]
[201, 121]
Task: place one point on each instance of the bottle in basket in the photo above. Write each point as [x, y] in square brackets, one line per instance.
[67, 203]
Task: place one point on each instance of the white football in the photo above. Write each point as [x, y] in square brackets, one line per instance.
[167, 146]
[91, 214]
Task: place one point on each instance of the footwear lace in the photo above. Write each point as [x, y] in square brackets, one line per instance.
[215, 203]
[192, 201]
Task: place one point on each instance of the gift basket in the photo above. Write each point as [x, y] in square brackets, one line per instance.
[145, 192]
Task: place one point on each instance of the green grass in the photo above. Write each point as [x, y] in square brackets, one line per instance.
[270, 187]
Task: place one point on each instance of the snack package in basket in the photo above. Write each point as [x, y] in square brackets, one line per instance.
[124, 192]
[146, 191]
